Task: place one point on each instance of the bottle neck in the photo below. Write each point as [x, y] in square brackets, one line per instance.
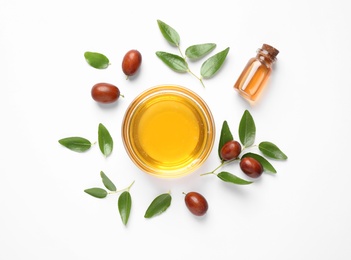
[266, 57]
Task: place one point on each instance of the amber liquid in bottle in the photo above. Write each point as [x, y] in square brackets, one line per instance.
[255, 75]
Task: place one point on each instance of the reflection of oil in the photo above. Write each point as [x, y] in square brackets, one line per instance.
[255, 75]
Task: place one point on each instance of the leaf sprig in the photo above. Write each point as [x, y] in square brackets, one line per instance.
[247, 135]
[81, 144]
[195, 52]
[124, 199]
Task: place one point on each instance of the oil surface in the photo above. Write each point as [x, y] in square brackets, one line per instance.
[168, 131]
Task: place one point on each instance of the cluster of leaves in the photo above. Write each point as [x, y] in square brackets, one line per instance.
[195, 52]
[159, 205]
[247, 134]
[124, 199]
[81, 144]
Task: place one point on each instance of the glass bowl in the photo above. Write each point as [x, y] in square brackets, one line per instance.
[168, 131]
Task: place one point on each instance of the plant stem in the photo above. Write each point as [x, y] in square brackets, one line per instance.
[181, 54]
[199, 78]
[125, 189]
[219, 166]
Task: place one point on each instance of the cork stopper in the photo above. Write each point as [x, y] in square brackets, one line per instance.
[273, 52]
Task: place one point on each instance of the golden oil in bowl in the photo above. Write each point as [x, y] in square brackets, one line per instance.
[168, 131]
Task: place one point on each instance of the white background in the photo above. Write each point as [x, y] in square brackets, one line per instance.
[303, 212]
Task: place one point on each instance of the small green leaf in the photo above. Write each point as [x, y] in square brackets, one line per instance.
[199, 50]
[247, 129]
[169, 33]
[267, 166]
[173, 61]
[105, 140]
[77, 144]
[228, 177]
[96, 192]
[107, 182]
[158, 205]
[96, 60]
[271, 150]
[213, 64]
[124, 206]
[225, 137]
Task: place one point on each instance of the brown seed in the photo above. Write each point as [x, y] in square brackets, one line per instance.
[105, 93]
[196, 203]
[230, 150]
[131, 62]
[251, 167]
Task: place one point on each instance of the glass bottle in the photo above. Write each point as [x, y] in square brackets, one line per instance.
[255, 75]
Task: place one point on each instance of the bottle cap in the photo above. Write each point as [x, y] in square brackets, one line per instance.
[271, 50]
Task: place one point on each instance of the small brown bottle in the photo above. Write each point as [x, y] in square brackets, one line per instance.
[255, 75]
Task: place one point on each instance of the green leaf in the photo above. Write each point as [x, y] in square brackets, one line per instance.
[225, 137]
[228, 177]
[158, 205]
[124, 206]
[267, 166]
[107, 182]
[271, 150]
[173, 61]
[213, 64]
[96, 60]
[105, 140]
[247, 129]
[96, 192]
[199, 50]
[169, 33]
[77, 144]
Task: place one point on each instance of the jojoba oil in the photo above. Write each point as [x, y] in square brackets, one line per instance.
[168, 131]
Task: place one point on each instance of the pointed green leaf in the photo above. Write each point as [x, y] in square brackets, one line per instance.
[77, 144]
[271, 150]
[96, 60]
[169, 33]
[158, 205]
[199, 50]
[107, 182]
[225, 137]
[105, 140]
[96, 192]
[267, 166]
[228, 177]
[124, 206]
[213, 64]
[247, 129]
[173, 61]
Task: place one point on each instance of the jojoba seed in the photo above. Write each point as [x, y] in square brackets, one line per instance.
[105, 93]
[230, 150]
[251, 167]
[196, 203]
[131, 62]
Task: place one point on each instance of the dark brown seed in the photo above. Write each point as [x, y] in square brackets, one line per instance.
[251, 167]
[131, 62]
[105, 93]
[196, 203]
[230, 150]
